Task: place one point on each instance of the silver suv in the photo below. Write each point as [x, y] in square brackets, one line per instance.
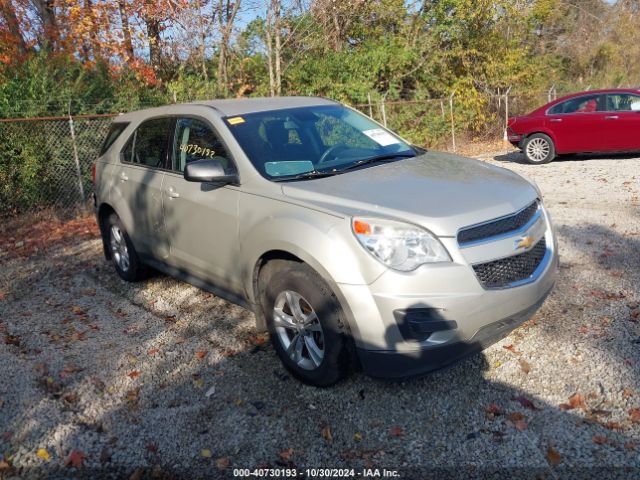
[353, 247]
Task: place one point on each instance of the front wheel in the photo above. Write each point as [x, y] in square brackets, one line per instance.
[539, 149]
[306, 324]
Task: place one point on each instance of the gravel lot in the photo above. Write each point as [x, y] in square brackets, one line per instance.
[163, 380]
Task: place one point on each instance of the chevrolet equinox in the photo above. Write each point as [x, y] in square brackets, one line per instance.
[352, 246]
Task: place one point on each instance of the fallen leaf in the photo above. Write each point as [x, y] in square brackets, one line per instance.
[132, 395]
[260, 339]
[133, 374]
[515, 417]
[286, 454]
[210, 392]
[78, 310]
[206, 453]
[396, 431]
[2, 296]
[634, 415]
[199, 383]
[326, 433]
[627, 392]
[152, 351]
[170, 318]
[525, 402]
[575, 401]
[12, 340]
[493, 410]
[201, 354]
[613, 426]
[521, 425]
[599, 439]
[630, 446]
[43, 454]
[553, 457]
[222, 463]
[74, 459]
[357, 437]
[511, 348]
[4, 465]
[524, 365]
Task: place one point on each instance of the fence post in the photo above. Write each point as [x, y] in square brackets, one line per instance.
[506, 116]
[77, 160]
[383, 110]
[453, 122]
[370, 107]
[553, 87]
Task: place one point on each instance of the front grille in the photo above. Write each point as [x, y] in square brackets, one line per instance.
[503, 272]
[498, 227]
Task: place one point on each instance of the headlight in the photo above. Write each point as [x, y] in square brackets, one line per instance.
[400, 246]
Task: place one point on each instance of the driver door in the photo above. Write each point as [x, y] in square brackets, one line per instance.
[201, 218]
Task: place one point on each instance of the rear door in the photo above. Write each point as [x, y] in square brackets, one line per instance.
[137, 191]
[577, 124]
[201, 219]
[622, 129]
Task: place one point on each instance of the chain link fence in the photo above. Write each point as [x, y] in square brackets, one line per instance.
[46, 162]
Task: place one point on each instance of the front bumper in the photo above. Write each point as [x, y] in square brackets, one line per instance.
[466, 317]
[392, 364]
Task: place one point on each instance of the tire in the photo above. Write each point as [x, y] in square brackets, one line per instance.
[539, 149]
[123, 255]
[316, 352]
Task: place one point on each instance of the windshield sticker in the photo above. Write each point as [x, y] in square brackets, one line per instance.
[197, 150]
[381, 137]
[235, 120]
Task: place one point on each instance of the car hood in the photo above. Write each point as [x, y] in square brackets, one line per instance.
[439, 191]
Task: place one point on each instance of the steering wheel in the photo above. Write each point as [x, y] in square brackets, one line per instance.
[330, 150]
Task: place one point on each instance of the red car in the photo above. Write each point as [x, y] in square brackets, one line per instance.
[586, 122]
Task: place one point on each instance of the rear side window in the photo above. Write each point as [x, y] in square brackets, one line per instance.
[587, 104]
[114, 132]
[148, 145]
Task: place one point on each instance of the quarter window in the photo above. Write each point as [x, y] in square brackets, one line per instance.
[114, 132]
[195, 140]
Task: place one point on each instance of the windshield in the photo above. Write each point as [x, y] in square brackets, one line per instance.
[313, 141]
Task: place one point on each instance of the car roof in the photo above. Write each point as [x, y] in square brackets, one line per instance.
[597, 92]
[231, 107]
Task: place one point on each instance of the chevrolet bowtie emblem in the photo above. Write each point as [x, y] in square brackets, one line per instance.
[524, 242]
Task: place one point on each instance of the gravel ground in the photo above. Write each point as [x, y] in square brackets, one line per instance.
[162, 380]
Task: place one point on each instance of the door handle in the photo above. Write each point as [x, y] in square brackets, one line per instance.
[556, 120]
[123, 177]
[171, 192]
[611, 117]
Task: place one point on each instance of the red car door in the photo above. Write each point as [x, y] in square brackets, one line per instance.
[622, 127]
[577, 124]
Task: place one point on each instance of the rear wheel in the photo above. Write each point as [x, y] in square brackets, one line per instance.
[123, 254]
[539, 149]
[306, 323]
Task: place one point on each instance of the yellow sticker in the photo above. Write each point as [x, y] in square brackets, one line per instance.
[235, 120]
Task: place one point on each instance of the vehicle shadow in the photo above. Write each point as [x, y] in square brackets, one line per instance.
[518, 157]
[187, 416]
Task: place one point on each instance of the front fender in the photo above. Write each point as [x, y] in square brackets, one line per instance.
[322, 241]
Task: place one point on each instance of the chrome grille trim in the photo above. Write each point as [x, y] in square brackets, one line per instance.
[499, 227]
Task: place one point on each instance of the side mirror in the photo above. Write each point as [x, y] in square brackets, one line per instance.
[207, 170]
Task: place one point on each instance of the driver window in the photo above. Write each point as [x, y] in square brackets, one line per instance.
[622, 102]
[587, 104]
[195, 140]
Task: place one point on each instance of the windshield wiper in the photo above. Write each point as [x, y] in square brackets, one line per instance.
[377, 158]
[306, 176]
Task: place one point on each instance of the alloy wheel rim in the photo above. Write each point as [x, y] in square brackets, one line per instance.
[298, 330]
[538, 149]
[119, 249]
